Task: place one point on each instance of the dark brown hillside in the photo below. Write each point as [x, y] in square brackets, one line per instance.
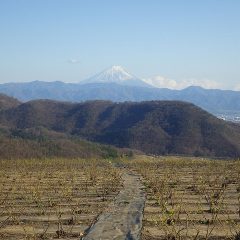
[36, 113]
[158, 127]
[7, 102]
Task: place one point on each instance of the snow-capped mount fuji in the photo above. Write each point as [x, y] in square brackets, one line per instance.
[116, 74]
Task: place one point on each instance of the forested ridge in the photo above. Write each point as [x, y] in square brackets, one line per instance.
[154, 127]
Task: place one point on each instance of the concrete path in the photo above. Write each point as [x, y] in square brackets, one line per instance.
[123, 218]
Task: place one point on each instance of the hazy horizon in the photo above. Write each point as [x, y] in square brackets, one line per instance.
[169, 43]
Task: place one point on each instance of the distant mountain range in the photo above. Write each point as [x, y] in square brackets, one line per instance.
[158, 127]
[116, 84]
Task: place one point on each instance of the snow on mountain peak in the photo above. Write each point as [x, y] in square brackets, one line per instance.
[116, 74]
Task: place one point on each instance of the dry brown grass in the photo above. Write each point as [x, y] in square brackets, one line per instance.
[53, 198]
[190, 198]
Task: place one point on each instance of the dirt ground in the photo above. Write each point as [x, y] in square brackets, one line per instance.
[138, 198]
[190, 198]
[54, 198]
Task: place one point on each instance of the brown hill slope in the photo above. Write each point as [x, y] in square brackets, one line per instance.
[7, 102]
[158, 127]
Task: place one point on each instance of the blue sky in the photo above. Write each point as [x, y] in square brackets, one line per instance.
[170, 40]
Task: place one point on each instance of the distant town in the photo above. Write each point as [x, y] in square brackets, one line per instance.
[230, 117]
